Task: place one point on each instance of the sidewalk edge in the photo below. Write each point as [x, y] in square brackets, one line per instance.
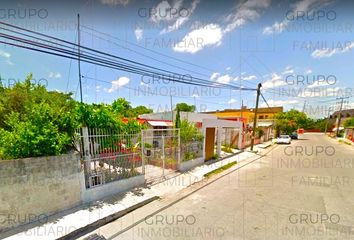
[103, 221]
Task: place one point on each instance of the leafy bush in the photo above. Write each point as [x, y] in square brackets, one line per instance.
[35, 122]
[35, 135]
[189, 132]
[189, 156]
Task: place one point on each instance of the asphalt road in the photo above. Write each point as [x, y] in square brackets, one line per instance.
[298, 191]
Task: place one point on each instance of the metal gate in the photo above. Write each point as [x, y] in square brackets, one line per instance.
[160, 153]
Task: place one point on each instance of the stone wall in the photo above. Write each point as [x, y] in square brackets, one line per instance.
[33, 188]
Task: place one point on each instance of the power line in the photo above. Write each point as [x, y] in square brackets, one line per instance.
[150, 50]
[149, 57]
[104, 63]
[107, 63]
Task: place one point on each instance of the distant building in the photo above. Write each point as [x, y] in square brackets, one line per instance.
[247, 114]
[193, 117]
[265, 120]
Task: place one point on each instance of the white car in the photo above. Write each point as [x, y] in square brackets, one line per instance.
[283, 139]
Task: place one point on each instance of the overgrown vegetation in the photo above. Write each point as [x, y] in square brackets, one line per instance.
[36, 122]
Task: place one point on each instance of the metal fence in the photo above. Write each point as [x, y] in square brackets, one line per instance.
[109, 155]
[160, 152]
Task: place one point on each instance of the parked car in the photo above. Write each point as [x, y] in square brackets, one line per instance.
[294, 135]
[283, 139]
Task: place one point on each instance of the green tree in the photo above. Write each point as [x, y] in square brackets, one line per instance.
[189, 132]
[349, 123]
[184, 107]
[178, 119]
[34, 121]
[121, 106]
[288, 122]
[139, 110]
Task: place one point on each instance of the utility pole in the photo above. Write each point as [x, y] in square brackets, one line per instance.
[255, 115]
[328, 117]
[79, 57]
[340, 115]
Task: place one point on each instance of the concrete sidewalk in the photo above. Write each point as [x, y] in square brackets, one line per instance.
[96, 214]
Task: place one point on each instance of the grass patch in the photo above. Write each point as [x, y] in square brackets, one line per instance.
[227, 149]
[342, 141]
[220, 169]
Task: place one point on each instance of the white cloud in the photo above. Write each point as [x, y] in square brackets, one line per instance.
[138, 33]
[7, 57]
[224, 79]
[275, 81]
[195, 95]
[277, 27]
[54, 75]
[228, 68]
[182, 17]
[163, 11]
[244, 12]
[4, 54]
[327, 52]
[115, 2]
[214, 75]
[196, 40]
[118, 83]
[319, 84]
[212, 34]
[231, 101]
[300, 6]
[274, 103]
[251, 77]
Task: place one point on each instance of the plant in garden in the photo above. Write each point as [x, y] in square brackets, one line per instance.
[189, 132]
[178, 119]
[189, 156]
[226, 149]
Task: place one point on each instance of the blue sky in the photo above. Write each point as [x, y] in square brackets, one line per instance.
[277, 43]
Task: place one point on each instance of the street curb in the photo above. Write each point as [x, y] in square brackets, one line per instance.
[103, 221]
